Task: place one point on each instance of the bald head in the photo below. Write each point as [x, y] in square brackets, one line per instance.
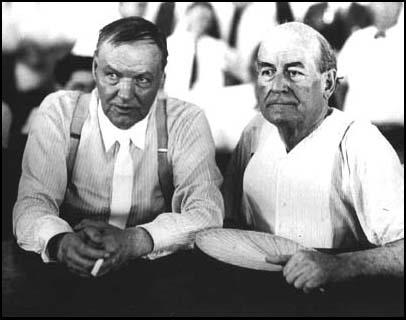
[299, 34]
[294, 81]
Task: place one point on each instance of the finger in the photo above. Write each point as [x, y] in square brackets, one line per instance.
[93, 234]
[292, 263]
[295, 272]
[307, 289]
[75, 258]
[301, 281]
[315, 284]
[90, 223]
[82, 224]
[93, 237]
[88, 252]
[278, 259]
[76, 266]
[109, 265]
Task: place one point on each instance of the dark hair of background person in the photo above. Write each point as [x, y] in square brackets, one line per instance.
[214, 29]
[284, 12]
[343, 24]
[132, 29]
[68, 65]
[165, 18]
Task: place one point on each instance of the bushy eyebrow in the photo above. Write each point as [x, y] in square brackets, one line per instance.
[144, 73]
[109, 67]
[262, 64]
[294, 64]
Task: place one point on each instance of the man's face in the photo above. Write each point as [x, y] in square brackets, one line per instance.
[289, 83]
[128, 77]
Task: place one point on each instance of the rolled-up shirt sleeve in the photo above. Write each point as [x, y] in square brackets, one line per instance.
[43, 181]
[377, 183]
[197, 201]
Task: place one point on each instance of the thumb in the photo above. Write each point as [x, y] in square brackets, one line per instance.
[278, 259]
[93, 235]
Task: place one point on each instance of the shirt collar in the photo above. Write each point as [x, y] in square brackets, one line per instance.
[110, 133]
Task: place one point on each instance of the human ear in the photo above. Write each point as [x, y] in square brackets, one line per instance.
[94, 67]
[329, 83]
[162, 81]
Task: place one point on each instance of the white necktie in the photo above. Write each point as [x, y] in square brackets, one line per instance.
[122, 185]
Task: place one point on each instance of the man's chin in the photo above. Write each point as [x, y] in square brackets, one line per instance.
[125, 121]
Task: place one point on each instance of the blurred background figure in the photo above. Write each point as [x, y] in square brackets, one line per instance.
[197, 57]
[250, 23]
[6, 119]
[165, 18]
[33, 40]
[75, 73]
[336, 21]
[132, 9]
[372, 64]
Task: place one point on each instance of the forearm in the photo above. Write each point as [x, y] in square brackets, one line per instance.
[34, 228]
[172, 231]
[139, 242]
[383, 261]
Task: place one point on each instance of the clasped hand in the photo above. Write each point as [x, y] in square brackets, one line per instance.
[91, 241]
[309, 270]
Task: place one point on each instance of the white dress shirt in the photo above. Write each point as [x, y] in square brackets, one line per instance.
[340, 187]
[197, 203]
[123, 174]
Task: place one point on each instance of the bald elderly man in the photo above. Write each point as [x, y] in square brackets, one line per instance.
[310, 173]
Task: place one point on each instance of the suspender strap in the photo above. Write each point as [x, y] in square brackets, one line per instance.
[78, 119]
[164, 169]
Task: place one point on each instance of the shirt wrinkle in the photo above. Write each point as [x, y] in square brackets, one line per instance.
[93, 171]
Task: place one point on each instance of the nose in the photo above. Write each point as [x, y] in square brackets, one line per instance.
[279, 83]
[126, 90]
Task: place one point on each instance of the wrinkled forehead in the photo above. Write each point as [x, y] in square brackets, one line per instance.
[131, 56]
[110, 45]
[285, 45]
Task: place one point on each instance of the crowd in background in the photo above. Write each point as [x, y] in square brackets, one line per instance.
[212, 49]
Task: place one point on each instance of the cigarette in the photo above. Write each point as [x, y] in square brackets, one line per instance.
[97, 267]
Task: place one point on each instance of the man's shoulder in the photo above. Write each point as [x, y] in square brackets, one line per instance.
[361, 134]
[60, 102]
[254, 125]
[251, 133]
[180, 110]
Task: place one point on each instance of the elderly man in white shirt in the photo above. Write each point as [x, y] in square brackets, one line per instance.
[310, 173]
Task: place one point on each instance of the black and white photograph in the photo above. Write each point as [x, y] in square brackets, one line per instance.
[202, 159]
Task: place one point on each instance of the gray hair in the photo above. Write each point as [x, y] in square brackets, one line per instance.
[327, 58]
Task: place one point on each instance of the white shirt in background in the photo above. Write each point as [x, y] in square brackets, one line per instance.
[374, 70]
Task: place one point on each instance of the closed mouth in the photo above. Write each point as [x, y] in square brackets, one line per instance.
[122, 108]
[281, 104]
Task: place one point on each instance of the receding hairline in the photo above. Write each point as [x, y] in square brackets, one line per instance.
[111, 41]
[131, 30]
[303, 33]
[296, 30]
